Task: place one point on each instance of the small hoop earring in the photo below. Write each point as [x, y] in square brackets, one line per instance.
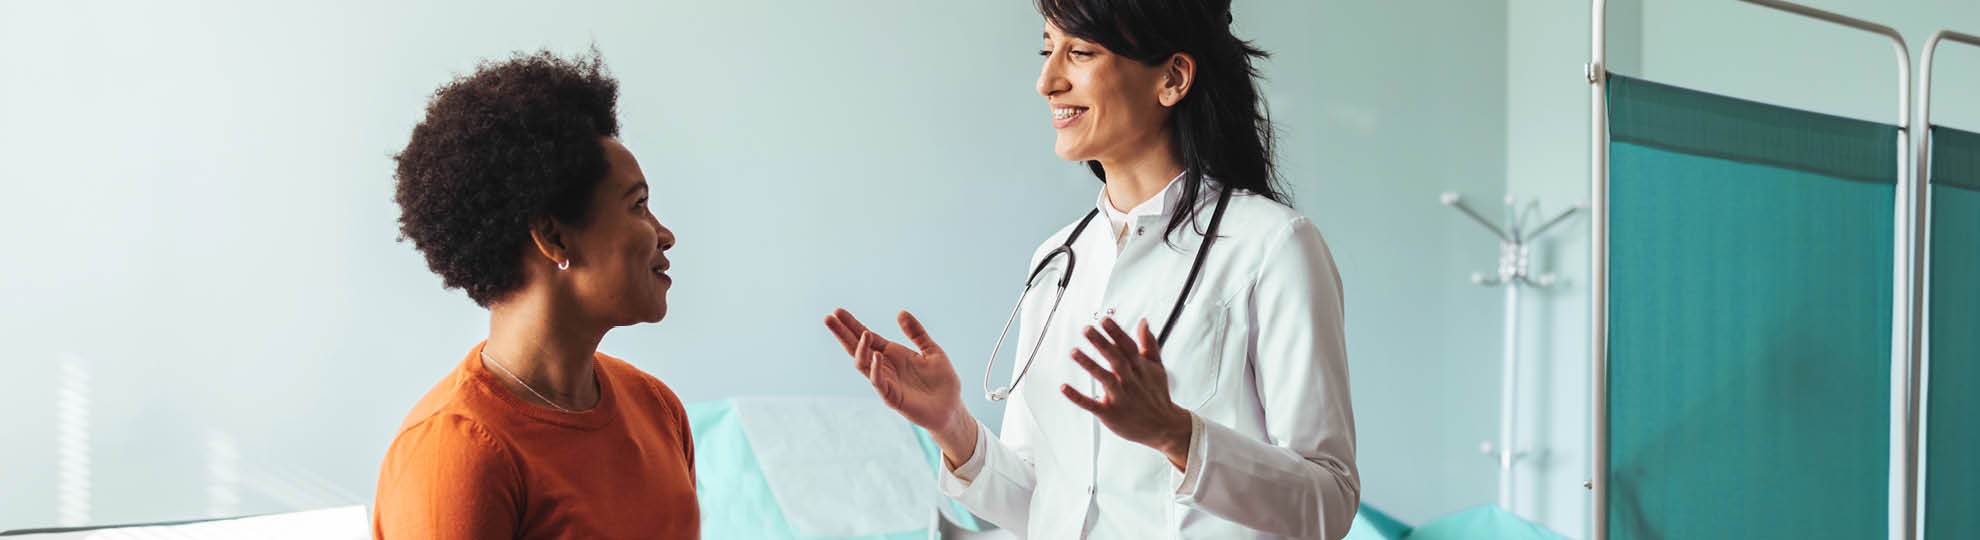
[564, 264]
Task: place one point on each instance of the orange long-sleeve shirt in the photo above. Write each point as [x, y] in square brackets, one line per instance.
[474, 461]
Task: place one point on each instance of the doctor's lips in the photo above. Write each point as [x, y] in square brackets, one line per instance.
[660, 271]
[1065, 115]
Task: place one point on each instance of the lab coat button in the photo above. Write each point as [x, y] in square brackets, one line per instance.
[1138, 231]
[1089, 491]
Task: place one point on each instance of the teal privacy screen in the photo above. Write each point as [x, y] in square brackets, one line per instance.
[1952, 476]
[1750, 318]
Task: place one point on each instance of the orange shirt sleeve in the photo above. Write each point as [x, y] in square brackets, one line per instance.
[447, 478]
[687, 437]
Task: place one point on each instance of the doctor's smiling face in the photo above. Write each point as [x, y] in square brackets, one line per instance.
[1105, 107]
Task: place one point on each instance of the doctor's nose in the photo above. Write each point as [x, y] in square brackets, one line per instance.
[1051, 81]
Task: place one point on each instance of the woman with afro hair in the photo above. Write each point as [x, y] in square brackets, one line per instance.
[517, 191]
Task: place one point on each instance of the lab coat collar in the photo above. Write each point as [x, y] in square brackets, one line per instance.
[1156, 206]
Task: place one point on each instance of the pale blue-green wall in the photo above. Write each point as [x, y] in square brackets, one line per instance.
[1386, 105]
[1547, 158]
[200, 200]
[1756, 53]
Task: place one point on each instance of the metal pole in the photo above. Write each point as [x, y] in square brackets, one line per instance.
[1919, 387]
[1508, 385]
[1556, 220]
[1598, 266]
[1455, 201]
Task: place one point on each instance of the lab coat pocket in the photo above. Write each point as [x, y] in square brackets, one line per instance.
[1194, 356]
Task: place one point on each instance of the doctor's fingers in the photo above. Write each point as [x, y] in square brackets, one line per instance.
[871, 350]
[1108, 380]
[1150, 346]
[883, 378]
[862, 355]
[1093, 406]
[917, 333]
[1117, 357]
[848, 339]
[891, 354]
[845, 327]
[1119, 336]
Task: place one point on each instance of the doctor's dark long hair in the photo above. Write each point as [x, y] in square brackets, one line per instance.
[1221, 129]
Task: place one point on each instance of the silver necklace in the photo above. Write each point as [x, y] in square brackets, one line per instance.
[512, 375]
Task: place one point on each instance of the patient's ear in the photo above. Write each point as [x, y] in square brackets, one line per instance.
[548, 238]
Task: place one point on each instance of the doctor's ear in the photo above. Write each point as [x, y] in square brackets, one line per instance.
[1178, 74]
[548, 238]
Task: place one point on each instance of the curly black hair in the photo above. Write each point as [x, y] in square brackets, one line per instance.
[514, 142]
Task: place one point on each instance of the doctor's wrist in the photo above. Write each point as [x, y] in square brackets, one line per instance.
[1174, 442]
[956, 435]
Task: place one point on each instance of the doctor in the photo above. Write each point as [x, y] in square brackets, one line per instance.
[1192, 381]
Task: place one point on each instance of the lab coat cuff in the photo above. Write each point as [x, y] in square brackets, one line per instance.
[1192, 473]
[954, 481]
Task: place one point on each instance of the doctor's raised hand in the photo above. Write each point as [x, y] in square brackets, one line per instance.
[917, 382]
[1135, 404]
[921, 385]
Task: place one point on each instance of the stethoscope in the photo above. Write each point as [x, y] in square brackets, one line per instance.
[1209, 236]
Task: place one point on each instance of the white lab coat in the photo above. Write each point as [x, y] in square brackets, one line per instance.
[1257, 355]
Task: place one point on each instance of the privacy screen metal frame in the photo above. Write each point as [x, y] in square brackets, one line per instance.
[1919, 387]
[1906, 271]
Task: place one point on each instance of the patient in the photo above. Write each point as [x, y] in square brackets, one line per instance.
[517, 191]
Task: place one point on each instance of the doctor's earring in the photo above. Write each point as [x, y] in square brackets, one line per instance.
[564, 264]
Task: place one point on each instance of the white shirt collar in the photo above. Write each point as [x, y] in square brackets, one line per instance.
[1157, 205]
